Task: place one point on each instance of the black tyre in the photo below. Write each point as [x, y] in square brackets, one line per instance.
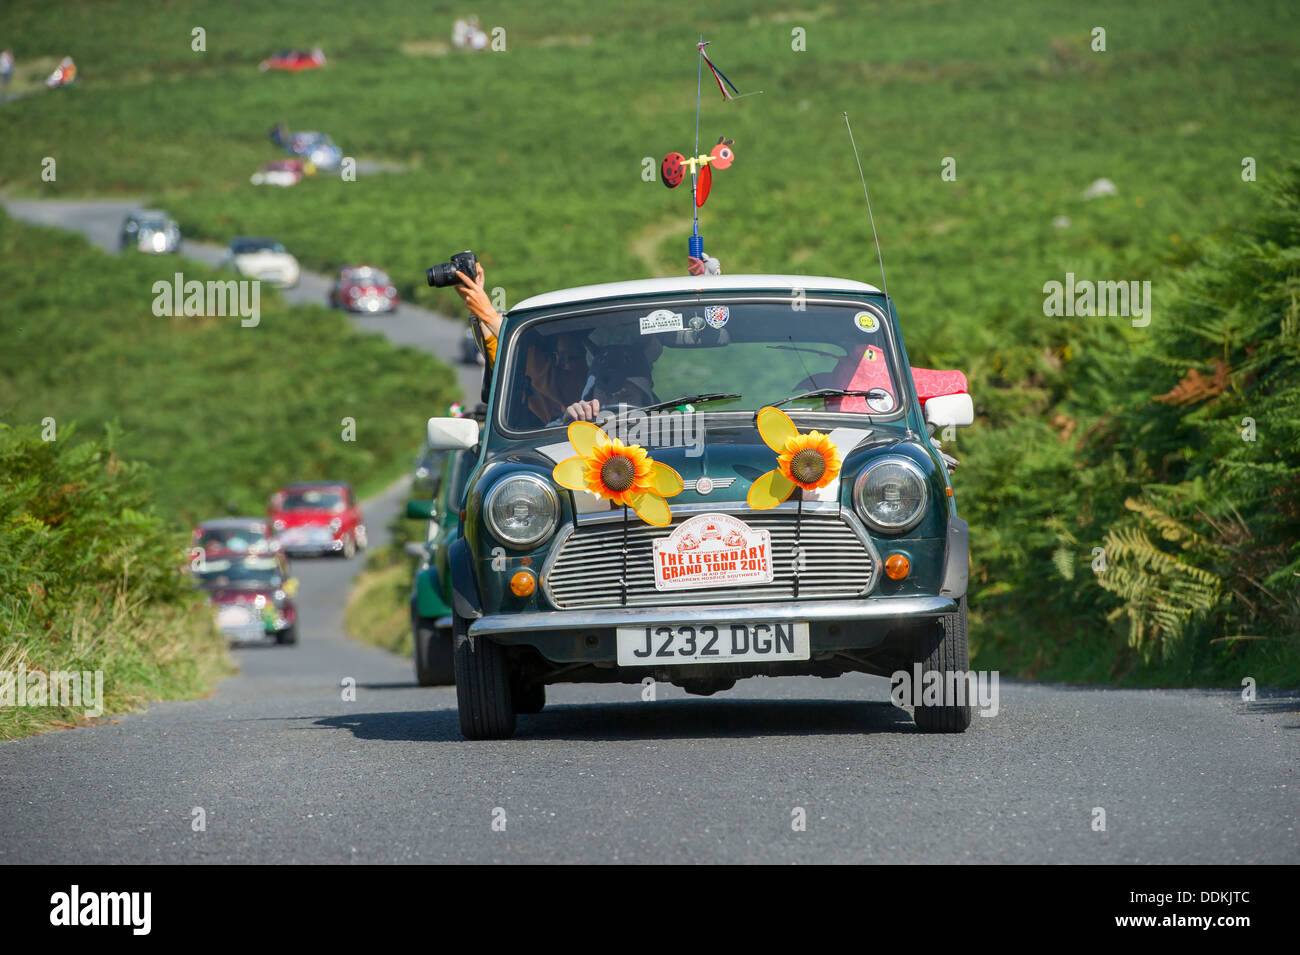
[433, 654]
[483, 694]
[946, 651]
[287, 637]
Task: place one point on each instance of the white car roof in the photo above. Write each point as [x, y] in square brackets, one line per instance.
[692, 284]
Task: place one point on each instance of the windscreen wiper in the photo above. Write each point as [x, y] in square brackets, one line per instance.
[688, 400]
[832, 393]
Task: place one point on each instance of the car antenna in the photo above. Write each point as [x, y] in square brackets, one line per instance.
[870, 217]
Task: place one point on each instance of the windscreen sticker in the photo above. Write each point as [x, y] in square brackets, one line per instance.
[661, 320]
[866, 321]
[716, 315]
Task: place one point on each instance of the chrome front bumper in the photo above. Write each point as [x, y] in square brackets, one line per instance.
[871, 609]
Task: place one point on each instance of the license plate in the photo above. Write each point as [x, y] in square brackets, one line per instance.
[676, 644]
[233, 618]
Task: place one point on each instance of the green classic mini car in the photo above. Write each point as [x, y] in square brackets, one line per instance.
[431, 618]
[702, 479]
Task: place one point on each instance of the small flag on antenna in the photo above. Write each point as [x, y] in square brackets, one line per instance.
[718, 75]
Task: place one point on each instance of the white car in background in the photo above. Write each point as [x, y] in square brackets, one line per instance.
[263, 259]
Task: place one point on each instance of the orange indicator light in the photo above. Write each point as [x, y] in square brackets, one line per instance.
[897, 566]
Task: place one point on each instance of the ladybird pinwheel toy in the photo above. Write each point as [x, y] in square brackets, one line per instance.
[805, 460]
[618, 472]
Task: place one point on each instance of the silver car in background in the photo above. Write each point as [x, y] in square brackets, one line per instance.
[151, 231]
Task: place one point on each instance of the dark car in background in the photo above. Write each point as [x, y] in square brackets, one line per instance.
[431, 599]
[317, 518]
[253, 597]
[150, 231]
[469, 353]
[363, 288]
[233, 536]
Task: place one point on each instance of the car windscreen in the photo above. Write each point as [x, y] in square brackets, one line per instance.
[312, 500]
[240, 574]
[762, 351]
[251, 246]
[457, 478]
[366, 277]
[236, 538]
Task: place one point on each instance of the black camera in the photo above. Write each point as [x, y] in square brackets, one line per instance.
[443, 275]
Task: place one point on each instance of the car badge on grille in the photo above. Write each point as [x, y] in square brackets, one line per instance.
[706, 485]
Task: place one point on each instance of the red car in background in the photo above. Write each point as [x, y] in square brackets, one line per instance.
[294, 60]
[363, 288]
[317, 518]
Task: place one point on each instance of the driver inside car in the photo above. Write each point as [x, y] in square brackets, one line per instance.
[621, 376]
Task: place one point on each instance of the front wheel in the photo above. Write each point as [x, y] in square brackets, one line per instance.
[482, 685]
[946, 651]
[287, 637]
[349, 547]
[432, 650]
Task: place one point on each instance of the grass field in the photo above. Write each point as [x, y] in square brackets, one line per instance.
[533, 157]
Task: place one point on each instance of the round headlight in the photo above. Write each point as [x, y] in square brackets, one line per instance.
[522, 510]
[891, 495]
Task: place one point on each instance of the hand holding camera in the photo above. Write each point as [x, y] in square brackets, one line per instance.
[465, 273]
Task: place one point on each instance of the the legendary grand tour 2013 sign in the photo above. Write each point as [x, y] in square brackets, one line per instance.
[712, 550]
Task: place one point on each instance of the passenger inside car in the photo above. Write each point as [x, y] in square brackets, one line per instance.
[554, 370]
[862, 369]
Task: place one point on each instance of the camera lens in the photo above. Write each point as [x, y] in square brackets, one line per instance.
[441, 275]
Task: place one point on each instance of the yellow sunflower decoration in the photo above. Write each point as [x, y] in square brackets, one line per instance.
[809, 461]
[622, 473]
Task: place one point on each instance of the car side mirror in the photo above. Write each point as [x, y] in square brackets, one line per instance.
[950, 411]
[452, 434]
[421, 510]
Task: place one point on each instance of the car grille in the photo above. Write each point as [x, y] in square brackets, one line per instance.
[588, 570]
